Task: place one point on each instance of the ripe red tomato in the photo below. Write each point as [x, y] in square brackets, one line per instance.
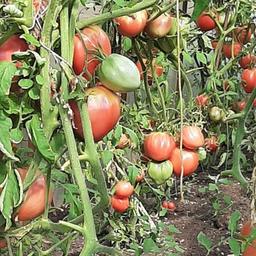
[231, 50]
[10, 46]
[33, 204]
[211, 144]
[249, 79]
[247, 61]
[202, 100]
[123, 189]
[85, 53]
[250, 250]
[158, 146]
[3, 243]
[246, 229]
[119, 204]
[165, 204]
[160, 26]
[104, 111]
[159, 70]
[243, 34]
[190, 161]
[241, 105]
[205, 22]
[192, 137]
[133, 24]
[171, 206]
[245, 232]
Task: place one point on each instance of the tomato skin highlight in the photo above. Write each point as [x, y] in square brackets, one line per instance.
[10, 46]
[160, 172]
[248, 78]
[192, 137]
[123, 189]
[119, 74]
[119, 204]
[132, 25]
[160, 26]
[158, 146]
[247, 61]
[190, 161]
[33, 204]
[94, 39]
[104, 112]
[205, 22]
[231, 50]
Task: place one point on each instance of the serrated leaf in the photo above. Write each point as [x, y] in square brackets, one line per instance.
[31, 39]
[149, 245]
[7, 72]
[39, 139]
[199, 7]
[204, 241]
[187, 57]
[25, 83]
[106, 156]
[234, 246]
[233, 222]
[201, 57]
[10, 197]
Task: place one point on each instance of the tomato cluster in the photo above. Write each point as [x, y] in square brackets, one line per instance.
[120, 200]
[245, 232]
[169, 205]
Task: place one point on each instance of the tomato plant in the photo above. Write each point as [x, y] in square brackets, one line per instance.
[104, 112]
[158, 146]
[132, 25]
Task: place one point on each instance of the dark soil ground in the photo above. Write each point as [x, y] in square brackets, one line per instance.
[197, 214]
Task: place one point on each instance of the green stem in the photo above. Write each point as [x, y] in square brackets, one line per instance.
[93, 154]
[115, 13]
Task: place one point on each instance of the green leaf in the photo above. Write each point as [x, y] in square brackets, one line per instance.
[16, 135]
[7, 72]
[187, 57]
[201, 57]
[31, 39]
[133, 172]
[106, 156]
[5, 140]
[34, 93]
[39, 138]
[127, 44]
[199, 7]
[25, 83]
[204, 241]
[234, 246]
[233, 222]
[39, 79]
[149, 245]
[11, 196]
[133, 136]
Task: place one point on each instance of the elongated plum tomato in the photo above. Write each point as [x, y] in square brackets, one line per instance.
[104, 112]
[249, 79]
[231, 50]
[33, 204]
[133, 24]
[119, 74]
[205, 22]
[192, 137]
[158, 146]
[202, 100]
[190, 161]
[123, 189]
[247, 61]
[119, 204]
[160, 26]
[85, 53]
[10, 46]
[243, 34]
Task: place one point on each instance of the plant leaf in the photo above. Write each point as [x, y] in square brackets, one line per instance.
[199, 7]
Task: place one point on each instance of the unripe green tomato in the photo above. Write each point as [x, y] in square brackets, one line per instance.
[119, 74]
[202, 154]
[160, 172]
[216, 114]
